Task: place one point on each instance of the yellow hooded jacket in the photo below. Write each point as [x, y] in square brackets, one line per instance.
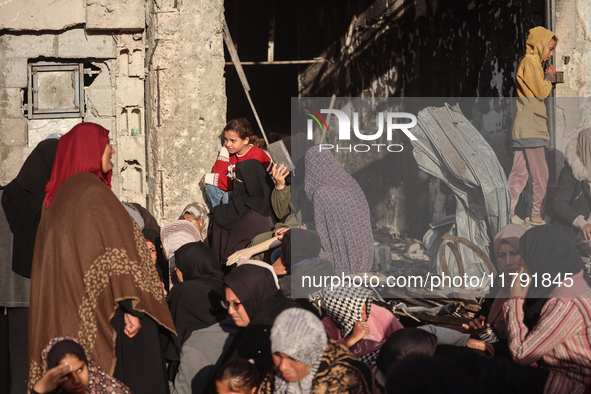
[530, 128]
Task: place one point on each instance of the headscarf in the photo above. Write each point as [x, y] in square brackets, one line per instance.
[79, 150]
[298, 245]
[149, 220]
[176, 234]
[344, 305]
[252, 189]
[546, 250]
[537, 40]
[195, 302]
[510, 234]
[584, 149]
[198, 211]
[22, 201]
[341, 213]
[161, 263]
[134, 213]
[98, 381]
[299, 334]
[252, 285]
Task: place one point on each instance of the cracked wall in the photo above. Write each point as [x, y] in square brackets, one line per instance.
[110, 37]
[186, 106]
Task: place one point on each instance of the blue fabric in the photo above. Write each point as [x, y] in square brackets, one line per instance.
[217, 196]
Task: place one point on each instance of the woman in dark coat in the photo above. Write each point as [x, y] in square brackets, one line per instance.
[572, 200]
[254, 300]
[195, 305]
[247, 214]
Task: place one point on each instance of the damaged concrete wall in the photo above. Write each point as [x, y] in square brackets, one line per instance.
[424, 49]
[573, 57]
[186, 105]
[109, 38]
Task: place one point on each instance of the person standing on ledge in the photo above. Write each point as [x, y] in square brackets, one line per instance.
[530, 130]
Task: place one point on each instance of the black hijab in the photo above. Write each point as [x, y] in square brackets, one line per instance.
[252, 285]
[161, 262]
[195, 303]
[298, 245]
[252, 189]
[22, 201]
[546, 250]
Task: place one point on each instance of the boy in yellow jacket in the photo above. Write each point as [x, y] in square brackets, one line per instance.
[530, 129]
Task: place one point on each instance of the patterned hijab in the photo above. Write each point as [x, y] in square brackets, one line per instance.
[98, 381]
[344, 305]
[176, 234]
[341, 213]
[299, 334]
[79, 150]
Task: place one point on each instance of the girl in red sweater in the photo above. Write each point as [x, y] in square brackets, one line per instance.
[239, 144]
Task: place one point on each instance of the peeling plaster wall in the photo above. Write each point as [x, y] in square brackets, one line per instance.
[424, 49]
[573, 97]
[186, 105]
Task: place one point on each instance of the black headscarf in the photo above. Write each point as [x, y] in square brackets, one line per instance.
[61, 349]
[252, 189]
[161, 262]
[22, 201]
[195, 302]
[298, 245]
[252, 285]
[546, 250]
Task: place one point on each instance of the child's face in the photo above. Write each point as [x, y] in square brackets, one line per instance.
[77, 381]
[549, 52]
[234, 143]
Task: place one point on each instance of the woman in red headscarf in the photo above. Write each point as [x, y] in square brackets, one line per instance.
[92, 275]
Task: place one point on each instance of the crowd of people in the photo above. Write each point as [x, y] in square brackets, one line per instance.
[97, 297]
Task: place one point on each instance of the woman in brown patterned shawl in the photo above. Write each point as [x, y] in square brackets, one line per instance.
[302, 365]
[92, 276]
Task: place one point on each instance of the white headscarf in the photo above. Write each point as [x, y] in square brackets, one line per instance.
[299, 334]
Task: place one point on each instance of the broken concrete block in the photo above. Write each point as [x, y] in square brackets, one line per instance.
[106, 122]
[41, 14]
[28, 46]
[414, 248]
[11, 101]
[130, 92]
[80, 44]
[115, 14]
[11, 161]
[14, 73]
[13, 131]
[99, 101]
[39, 129]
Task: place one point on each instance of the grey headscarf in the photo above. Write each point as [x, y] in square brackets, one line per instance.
[299, 334]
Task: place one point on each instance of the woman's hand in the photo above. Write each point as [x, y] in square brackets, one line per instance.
[360, 330]
[53, 378]
[241, 254]
[476, 325]
[132, 325]
[279, 173]
[586, 230]
[518, 290]
[481, 345]
[280, 231]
